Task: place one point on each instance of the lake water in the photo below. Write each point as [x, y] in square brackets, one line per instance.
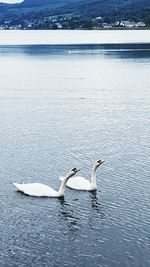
[20, 37]
[67, 106]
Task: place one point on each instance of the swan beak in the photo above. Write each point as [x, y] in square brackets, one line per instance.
[77, 170]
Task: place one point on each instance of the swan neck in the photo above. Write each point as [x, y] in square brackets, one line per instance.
[62, 187]
[93, 176]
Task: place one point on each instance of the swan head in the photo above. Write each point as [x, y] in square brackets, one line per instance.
[98, 163]
[73, 171]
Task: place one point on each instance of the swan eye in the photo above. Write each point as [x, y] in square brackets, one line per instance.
[100, 161]
[74, 170]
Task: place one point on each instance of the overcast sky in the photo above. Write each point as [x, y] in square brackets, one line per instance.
[10, 1]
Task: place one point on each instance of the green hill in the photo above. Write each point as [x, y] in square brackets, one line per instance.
[83, 8]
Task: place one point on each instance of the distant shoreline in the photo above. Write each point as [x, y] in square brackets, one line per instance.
[97, 29]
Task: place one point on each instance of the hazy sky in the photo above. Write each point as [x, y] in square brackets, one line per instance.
[10, 1]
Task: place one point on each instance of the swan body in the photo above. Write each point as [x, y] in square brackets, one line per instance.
[80, 183]
[41, 190]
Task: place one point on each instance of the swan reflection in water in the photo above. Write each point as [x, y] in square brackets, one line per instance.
[96, 214]
[94, 201]
[67, 214]
[73, 215]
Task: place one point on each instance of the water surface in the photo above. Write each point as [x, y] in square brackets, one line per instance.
[57, 37]
[62, 107]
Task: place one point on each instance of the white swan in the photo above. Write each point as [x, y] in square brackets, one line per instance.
[41, 190]
[80, 183]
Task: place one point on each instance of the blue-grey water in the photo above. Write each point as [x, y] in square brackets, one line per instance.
[64, 107]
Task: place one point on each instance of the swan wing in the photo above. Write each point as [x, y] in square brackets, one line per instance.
[36, 189]
[79, 183]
